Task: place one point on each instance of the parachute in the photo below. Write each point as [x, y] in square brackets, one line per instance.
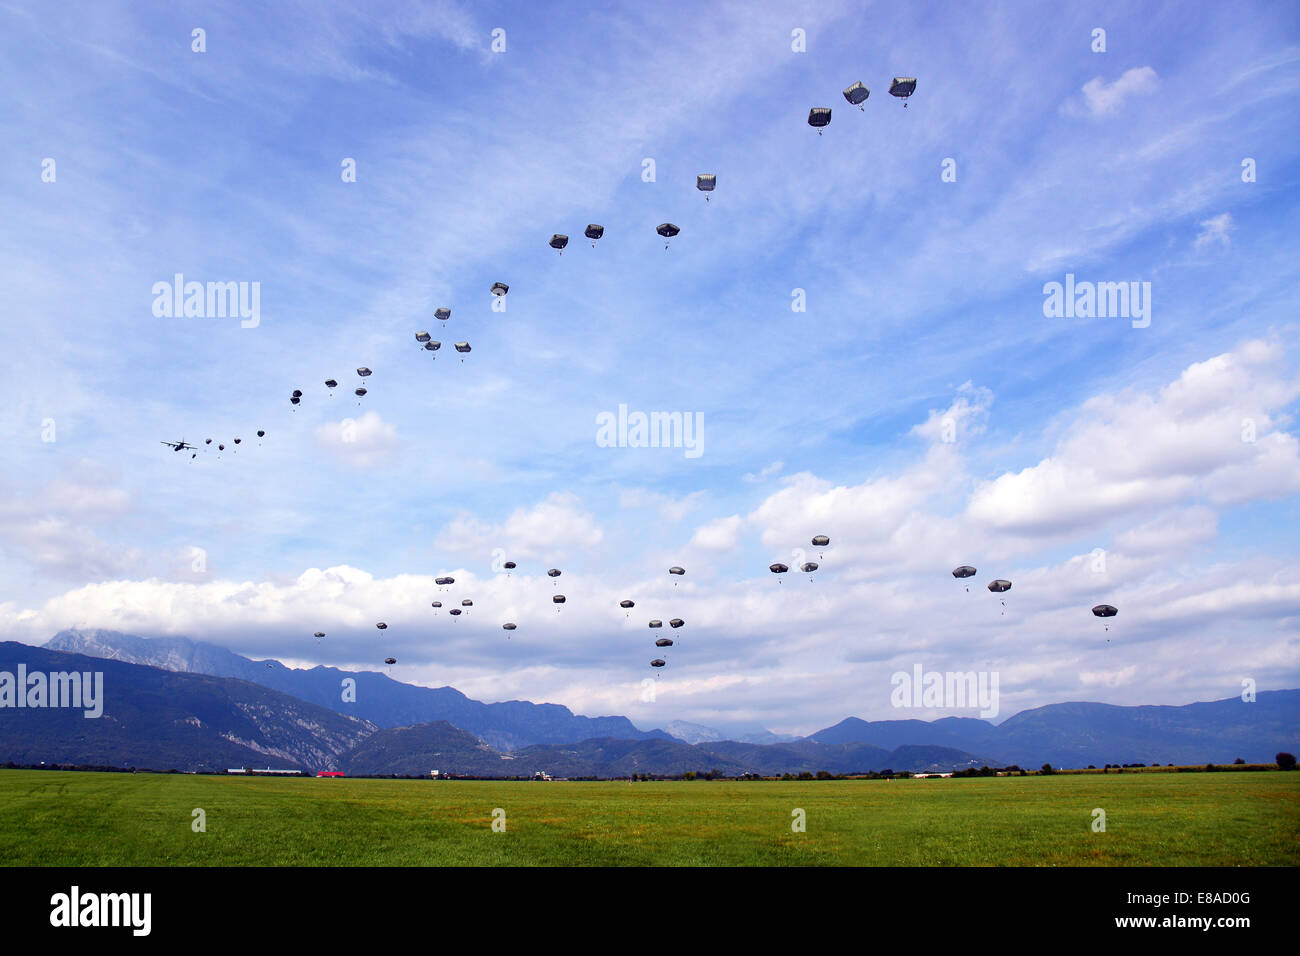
[998, 587]
[778, 568]
[557, 600]
[297, 393]
[363, 371]
[437, 604]
[658, 662]
[261, 433]
[664, 642]
[500, 288]
[319, 634]
[903, 87]
[237, 441]
[857, 94]
[462, 347]
[809, 566]
[1105, 610]
[508, 627]
[553, 573]
[390, 660]
[294, 400]
[510, 565]
[820, 541]
[626, 604]
[667, 230]
[594, 232]
[330, 383]
[382, 626]
[467, 603]
[432, 346]
[706, 183]
[422, 336]
[455, 612]
[965, 571]
[207, 441]
[359, 391]
[676, 570]
[656, 623]
[559, 242]
[442, 314]
[819, 117]
[676, 622]
[221, 448]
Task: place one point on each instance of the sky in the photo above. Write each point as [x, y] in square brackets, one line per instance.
[858, 321]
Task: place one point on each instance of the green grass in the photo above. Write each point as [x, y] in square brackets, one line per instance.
[93, 819]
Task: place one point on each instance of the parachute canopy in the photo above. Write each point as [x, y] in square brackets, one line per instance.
[442, 314]
[467, 603]
[667, 230]
[820, 541]
[706, 183]
[676, 570]
[330, 383]
[462, 347]
[965, 571]
[1105, 610]
[294, 400]
[296, 393]
[437, 604]
[558, 599]
[261, 433]
[777, 568]
[664, 642]
[656, 623]
[319, 634]
[558, 241]
[237, 441]
[422, 336]
[553, 573]
[857, 94]
[594, 231]
[433, 346]
[809, 566]
[508, 627]
[382, 626]
[390, 660]
[676, 622]
[999, 585]
[819, 117]
[902, 86]
[658, 662]
[500, 288]
[359, 390]
[510, 565]
[454, 610]
[363, 371]
[627, 604]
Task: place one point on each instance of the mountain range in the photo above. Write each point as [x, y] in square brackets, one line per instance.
[164, 709]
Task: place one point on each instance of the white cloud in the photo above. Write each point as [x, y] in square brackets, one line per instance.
[767, 472]
[966, 417]
[1103, 99]
[557, 526]
[360, 442]
[1137, 450]
[719, 535]
[1215, 230]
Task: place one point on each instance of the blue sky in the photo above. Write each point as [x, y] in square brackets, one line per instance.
[924, 302]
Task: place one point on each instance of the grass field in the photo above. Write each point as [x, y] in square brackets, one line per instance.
[92, 819]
